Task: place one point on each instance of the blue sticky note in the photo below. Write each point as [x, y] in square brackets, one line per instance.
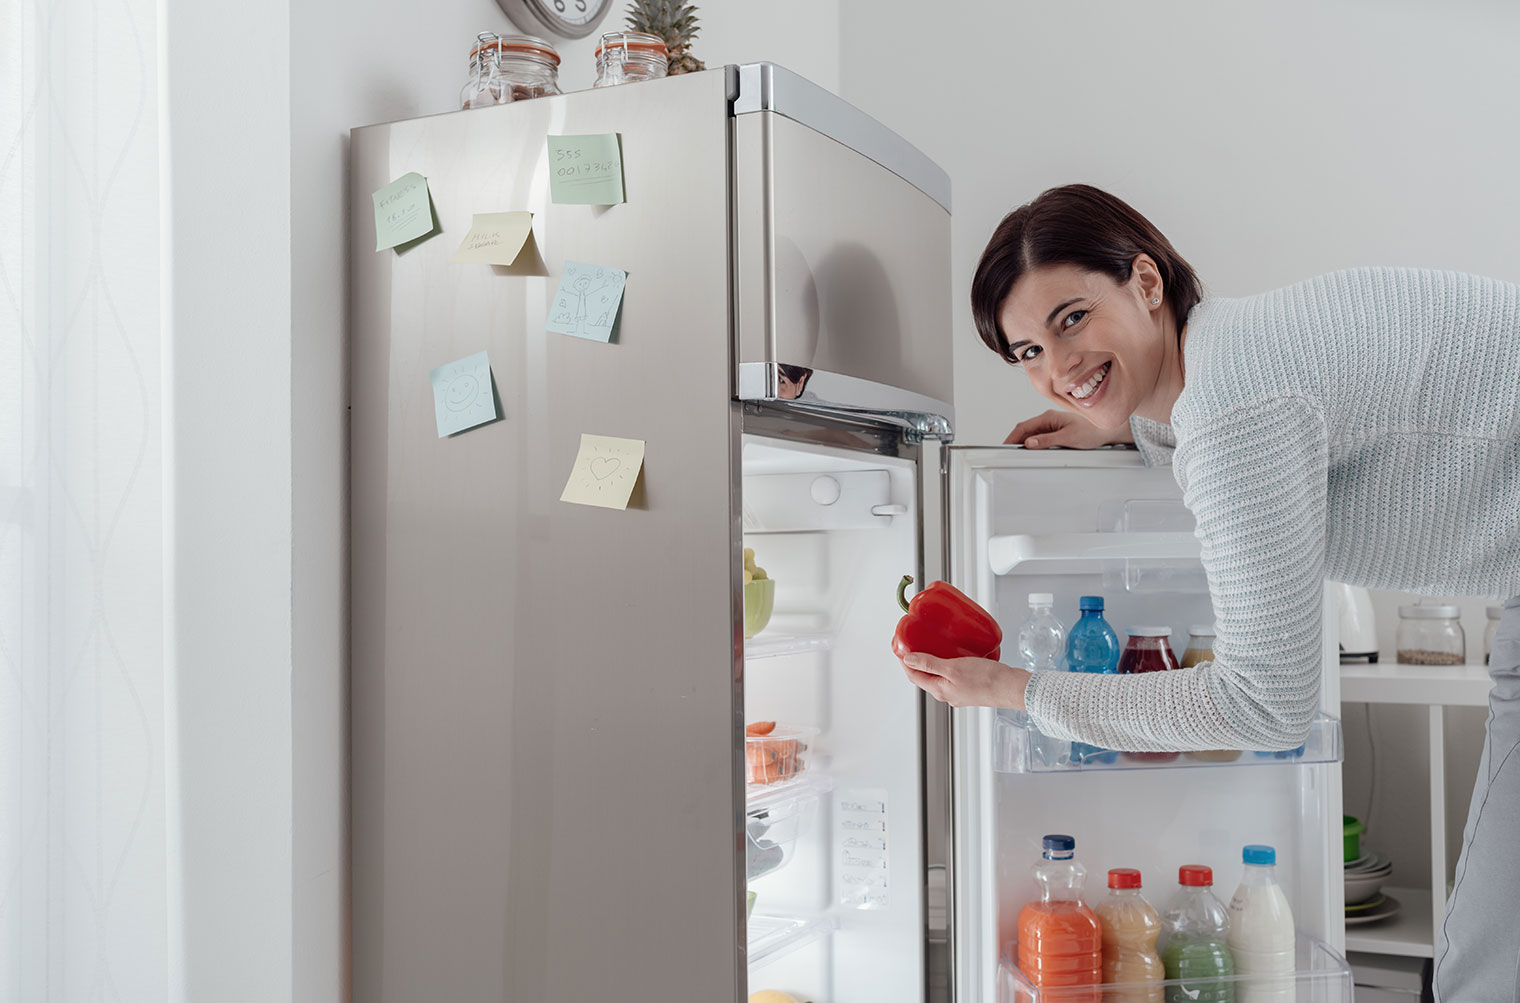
[462, 396]
[586, 303]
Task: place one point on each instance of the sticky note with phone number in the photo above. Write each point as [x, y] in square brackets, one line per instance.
[586, 170]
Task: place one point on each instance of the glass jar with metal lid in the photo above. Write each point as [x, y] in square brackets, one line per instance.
[1430, 635]
[625, 57]
[509, 68]
[1495, 614]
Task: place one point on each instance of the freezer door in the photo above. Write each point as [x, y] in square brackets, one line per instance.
[1078, 523]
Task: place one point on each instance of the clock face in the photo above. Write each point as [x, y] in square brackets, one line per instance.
[562, 18]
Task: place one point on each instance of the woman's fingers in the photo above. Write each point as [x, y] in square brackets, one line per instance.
[1039, 424]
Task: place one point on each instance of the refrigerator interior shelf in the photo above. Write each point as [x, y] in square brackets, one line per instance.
[1446, 685]
[772, 937]
[767, 644]
[1321, 975]
[1005, 553]
[1410, 933]
[1018, 747]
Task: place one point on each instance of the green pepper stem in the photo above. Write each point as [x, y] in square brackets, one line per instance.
[902, 588]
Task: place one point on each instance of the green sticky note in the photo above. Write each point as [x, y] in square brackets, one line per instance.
[586, 170]
[403, 211]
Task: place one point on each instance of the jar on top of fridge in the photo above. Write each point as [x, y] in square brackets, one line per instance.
[1200, 648]
[625, 57]
[1495, 614]
[509, 68]
[1430, 635]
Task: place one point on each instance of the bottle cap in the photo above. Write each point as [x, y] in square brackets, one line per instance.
[1096, 602]
[1260, 855]
[1418, 612]
[1061, 844]
[1041, 599]
[1195, 875]
[1124, 877]
[1148, 631]
[1199, 630]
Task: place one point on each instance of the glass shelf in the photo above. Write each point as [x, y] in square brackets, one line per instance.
[772, 937]
[1321, 976]
[1018, 747]
[768, 644]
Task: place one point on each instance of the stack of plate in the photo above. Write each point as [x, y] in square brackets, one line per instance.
[1365, 902]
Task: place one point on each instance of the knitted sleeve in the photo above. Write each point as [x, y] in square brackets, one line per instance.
[1256, 482]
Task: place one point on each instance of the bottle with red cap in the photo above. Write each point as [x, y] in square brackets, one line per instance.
[1196, 950]
[1130, 929]
[1060, 940]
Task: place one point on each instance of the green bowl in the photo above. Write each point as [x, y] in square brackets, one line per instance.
[759, 600]
[1351, 834]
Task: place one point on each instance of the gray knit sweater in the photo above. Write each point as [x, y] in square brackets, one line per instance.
[1363, 426]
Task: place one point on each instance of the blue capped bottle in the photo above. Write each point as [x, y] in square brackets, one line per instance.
[1092, 646]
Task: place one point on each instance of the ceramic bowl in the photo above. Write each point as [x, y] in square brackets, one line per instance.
[1362, 887]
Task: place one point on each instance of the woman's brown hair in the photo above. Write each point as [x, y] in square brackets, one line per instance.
[1074, 225]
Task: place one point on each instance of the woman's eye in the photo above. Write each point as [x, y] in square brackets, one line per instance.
[1028, 353]
[1072, 318]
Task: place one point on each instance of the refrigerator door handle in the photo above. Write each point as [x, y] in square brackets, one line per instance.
[817, 390]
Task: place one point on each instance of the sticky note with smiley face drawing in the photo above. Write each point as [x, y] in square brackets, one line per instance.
[462, 396]
[606, 469]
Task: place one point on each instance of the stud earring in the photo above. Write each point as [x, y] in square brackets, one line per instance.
[1154, 300]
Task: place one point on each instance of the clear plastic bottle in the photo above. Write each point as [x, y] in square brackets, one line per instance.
[1261, 930]
[1060, 939]
[1200, 648]
[1130, 928]
[1494, 614]
[1092, 646]
[1196, 949]
[1042, 648]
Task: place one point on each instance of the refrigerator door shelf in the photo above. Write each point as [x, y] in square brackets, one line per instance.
[772, 937]
[1017, 747]
[771, 645]
[851, 397]
[1006, 553]
[1321, 975]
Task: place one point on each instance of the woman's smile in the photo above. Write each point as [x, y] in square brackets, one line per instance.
[1091, 389]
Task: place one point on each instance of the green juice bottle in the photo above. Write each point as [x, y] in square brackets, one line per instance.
[1196, 926]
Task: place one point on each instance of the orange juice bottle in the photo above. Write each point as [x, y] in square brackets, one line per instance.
[1130, 928]
[1060, 940]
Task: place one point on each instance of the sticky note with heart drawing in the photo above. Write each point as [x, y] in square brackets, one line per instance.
[605, 471]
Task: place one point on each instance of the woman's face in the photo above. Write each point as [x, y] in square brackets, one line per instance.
[1086, 342]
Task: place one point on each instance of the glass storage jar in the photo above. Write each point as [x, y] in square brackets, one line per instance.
[625, 57]
[1200, 648]
[509, 68]
[1495, 614]
[1430, 635]
[1149, 649]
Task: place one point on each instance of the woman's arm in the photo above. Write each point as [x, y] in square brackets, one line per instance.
[1062, 428]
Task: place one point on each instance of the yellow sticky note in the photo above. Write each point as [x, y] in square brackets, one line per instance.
[605, 471]
[495, 238]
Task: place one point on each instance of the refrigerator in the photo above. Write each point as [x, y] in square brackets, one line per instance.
[549, 765]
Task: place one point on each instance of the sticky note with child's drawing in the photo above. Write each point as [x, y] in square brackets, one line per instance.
[462, 394]
[605, 471]
[585, 170]
[586, 303]
[403, 211]
[494, 238]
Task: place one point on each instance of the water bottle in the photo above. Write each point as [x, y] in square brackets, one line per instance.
[1042, 648]
[1092, 647]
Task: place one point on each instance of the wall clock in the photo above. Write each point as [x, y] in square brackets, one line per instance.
[559, 18]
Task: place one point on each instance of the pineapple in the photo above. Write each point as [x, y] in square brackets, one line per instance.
[673, 21]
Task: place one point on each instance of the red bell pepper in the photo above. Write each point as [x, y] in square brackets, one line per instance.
[942, 621]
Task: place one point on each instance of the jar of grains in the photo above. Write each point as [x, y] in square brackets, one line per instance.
[625, 57]
[1495, 614]
[1430, 635]
[1200, 648]
[509, 68]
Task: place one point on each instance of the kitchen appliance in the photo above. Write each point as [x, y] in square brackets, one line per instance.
[548, 701]
[1356, 622]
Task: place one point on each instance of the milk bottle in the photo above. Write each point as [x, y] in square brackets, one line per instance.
[1130, 929]
[1261, 930]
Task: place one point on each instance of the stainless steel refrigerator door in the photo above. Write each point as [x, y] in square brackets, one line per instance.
[546, 785]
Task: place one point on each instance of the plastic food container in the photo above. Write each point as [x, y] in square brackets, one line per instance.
[773, 821]
[1351, 834]
[777, 756]
[1430, 635]
[1495, 614]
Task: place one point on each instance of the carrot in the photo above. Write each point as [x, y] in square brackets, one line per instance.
[760, 728]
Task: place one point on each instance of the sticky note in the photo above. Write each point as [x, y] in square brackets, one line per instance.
[586, 302]
[494, 238]
[462, 396]
[605, 471]
[585, 170]
[403, 211]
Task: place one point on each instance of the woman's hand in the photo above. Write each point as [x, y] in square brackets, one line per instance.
[967, 682]
[1062, 428]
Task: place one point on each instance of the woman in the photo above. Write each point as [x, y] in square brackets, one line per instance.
[1362, 426]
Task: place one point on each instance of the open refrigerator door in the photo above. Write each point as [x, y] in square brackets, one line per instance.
[1100, 523]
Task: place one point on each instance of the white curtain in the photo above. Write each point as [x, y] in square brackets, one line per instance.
[82, 826]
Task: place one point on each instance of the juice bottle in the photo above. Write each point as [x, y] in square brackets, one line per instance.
[1042, 648]
[1197, 950]
[1130, 929]
[1149, 649]
[1261, 930]
[1200, 648]
[1092, 646]
[1060, 941]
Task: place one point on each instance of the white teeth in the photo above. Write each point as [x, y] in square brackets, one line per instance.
[1087, 389]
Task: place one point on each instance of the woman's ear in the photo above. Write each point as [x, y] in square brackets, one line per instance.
[1147, 276]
